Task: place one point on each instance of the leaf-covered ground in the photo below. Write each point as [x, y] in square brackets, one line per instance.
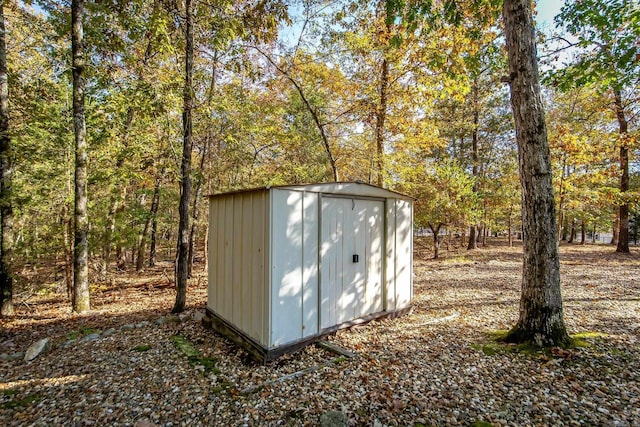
[437, 366]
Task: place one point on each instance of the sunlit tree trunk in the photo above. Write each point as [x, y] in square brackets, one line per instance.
[436, 239]
[623, 210]
[81, 226]
[182, 253]
[6, 172]
[541, 318]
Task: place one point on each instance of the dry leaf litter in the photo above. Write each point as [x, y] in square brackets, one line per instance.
[129, 362]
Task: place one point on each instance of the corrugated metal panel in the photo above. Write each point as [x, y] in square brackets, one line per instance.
[404, 253]
[350, 288]
[237, 280]
[310, 280]
[291, 271]
[390, 256]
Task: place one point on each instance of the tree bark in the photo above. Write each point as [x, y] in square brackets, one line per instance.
[436, 240]
[6, 178]
[182, 253]
[616, 227]
[572, 232]
[80, 301]
[155, 202]
[623, 210]
[541, 318]
[473, 230]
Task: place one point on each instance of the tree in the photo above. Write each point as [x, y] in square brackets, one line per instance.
[81, 225]
[445, 196]
[6, 172]
[541, 316]
[607, 53]
[182, 262]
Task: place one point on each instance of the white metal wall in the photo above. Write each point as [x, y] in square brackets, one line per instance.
[264, 251]
[399, 253]
[294, 266]
[238, 236]
[348, 289]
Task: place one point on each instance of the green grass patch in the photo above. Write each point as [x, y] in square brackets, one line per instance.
[481, 424]
[221, 388]
[209, 364]
[185, 346]
[20, 403]
[193, 355]
[84, 330]
[496, 345]
[584, 339]
[141, 348]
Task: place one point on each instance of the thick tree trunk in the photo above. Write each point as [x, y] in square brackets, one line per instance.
[81, 225]
[182, 254]
[623, 211]
[541, 316]
[473, 241]
[6, 173]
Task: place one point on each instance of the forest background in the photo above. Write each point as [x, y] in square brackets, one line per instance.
[306, 91]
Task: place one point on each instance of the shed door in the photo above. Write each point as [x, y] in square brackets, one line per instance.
[351, 259]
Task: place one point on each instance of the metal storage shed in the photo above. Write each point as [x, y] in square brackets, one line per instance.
[290, 264]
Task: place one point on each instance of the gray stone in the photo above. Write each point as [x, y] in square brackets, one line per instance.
[109, 331]
[160, 321]
[144, 422]
[333, 419]
[11, 356]
[143, 324]
[68, 343]
[90, 337]
[36, 349]
[198, 316]
[127, 327]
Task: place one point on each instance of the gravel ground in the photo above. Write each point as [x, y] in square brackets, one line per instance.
[436, 366]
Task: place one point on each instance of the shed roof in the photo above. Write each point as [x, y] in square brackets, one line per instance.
[342, 188]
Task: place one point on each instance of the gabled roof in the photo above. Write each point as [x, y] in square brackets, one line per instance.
[361, 189]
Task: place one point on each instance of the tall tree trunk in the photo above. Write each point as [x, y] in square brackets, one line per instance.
[6, 172]
[561, 198]
[155, 202]
[381, 113]
[67, 227]
[182, 253]
[142, 241]
[616, 227]
[541, 319]
[572, 232]
[473, 230]
[623, 212]
[81, 225]
[195, 213]
[121, 253]
[436, 240]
